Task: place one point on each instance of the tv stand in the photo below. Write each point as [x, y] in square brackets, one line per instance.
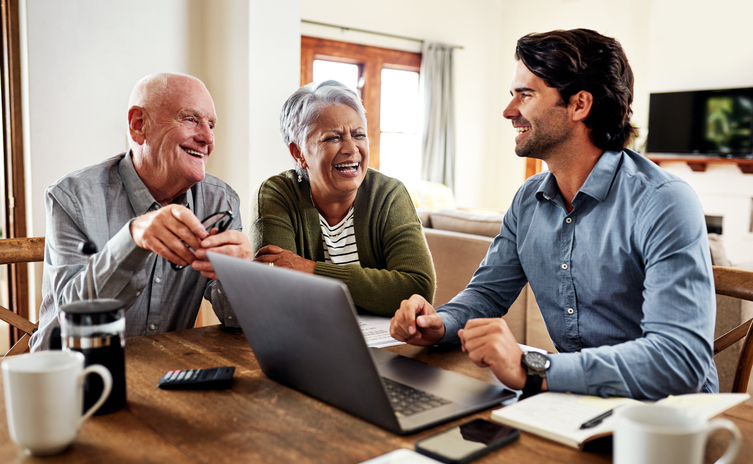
[700, 163]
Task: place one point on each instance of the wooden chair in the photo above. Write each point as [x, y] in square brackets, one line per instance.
[20, 250]
[737, 283]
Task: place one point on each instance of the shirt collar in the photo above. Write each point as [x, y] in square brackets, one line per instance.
[141, 199]
[597, 184]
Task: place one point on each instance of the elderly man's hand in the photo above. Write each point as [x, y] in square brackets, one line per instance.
[489, 343]
[167, 231]
[274, 255]
[231, 243]
[416, 322]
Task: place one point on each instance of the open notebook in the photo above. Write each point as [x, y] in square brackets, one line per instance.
[558, 416]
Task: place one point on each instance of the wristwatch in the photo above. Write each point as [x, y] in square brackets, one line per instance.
[535, 365]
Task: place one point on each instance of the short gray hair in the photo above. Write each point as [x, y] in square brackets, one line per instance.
[303, 108]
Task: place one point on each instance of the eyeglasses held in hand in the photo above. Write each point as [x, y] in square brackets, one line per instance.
[219, 221]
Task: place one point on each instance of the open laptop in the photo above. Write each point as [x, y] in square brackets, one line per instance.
[305, 335]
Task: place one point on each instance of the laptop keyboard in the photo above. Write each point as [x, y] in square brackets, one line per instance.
[407, 400]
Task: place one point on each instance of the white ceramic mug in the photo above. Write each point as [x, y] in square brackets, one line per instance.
[44, 394]
[652, 434]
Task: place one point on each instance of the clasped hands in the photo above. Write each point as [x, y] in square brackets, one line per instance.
[488, 342]
[171, 230]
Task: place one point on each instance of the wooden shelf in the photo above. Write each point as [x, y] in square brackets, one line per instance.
[700, 163]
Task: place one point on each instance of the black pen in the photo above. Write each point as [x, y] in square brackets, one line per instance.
[597, 420]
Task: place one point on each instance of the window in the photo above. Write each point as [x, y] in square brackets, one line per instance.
[387, 81]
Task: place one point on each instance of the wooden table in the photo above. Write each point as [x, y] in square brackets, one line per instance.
[258, 420]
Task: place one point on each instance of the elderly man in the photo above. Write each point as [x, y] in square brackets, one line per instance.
[615, 248]
[142, 210]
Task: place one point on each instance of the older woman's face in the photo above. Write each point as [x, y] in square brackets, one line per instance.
[336, 155]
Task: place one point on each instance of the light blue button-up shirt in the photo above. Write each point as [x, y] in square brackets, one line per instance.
[624, 281]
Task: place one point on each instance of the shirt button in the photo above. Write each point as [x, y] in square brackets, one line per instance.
[157, 279]
[564, 265]
[570, 310]
[138, 293]
[152, 327]
[569, 220]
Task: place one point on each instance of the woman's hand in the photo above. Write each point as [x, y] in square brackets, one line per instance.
[276, 256]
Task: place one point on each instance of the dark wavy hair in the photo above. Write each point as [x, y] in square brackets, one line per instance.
[582, 59]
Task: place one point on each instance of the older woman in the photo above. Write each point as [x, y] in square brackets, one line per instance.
[332, 215]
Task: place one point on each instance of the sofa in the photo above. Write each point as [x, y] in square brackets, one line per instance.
[458, 240]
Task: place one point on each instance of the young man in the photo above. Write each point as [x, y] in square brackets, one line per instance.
[615, 249]
[141, 209]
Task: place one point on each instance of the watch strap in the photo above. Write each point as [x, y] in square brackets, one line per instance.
[532, 386]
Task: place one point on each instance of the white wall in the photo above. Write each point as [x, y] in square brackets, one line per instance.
[700, 45]
[84, 57]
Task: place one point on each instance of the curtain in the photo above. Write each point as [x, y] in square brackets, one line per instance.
[438, 140]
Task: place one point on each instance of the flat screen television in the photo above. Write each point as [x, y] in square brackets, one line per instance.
[703, 122]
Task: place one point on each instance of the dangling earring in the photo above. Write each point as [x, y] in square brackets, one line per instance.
[300, 178]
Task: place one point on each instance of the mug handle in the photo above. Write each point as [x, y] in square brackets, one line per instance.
[734, 443]
[103, 372]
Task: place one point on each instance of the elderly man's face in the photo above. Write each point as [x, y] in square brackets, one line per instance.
[180, 137]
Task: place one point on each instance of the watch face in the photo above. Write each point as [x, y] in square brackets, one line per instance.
[537, 360]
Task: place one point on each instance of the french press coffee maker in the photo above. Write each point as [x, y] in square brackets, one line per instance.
[96, 328]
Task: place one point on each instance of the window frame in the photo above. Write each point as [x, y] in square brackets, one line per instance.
[13, 156]
[370, 61]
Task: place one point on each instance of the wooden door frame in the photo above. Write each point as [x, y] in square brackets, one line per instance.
[13, 155]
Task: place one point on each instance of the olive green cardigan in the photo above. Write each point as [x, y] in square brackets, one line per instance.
[394, 259]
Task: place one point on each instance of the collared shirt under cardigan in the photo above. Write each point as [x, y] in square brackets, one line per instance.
[394, 259]
[97, 203]
[624, 281]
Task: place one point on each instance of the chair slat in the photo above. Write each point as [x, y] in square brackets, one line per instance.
[13, 251]
[21, 250]
[737, 283]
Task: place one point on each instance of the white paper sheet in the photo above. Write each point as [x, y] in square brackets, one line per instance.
[376, 331]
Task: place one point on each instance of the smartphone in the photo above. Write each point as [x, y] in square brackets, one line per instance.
[467, 442]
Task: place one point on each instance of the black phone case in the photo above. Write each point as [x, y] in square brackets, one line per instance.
[512, 436]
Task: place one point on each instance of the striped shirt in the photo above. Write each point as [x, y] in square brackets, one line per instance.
[340, 240]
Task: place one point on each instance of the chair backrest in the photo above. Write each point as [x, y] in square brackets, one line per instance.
[12, 251]
[737, 283]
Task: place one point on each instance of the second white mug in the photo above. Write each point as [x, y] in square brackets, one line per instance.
[652, 434]
[44, 398]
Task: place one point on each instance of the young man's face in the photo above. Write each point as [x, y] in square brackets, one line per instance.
[538, 114]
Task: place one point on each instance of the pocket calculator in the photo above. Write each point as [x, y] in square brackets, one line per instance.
[214, 378]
